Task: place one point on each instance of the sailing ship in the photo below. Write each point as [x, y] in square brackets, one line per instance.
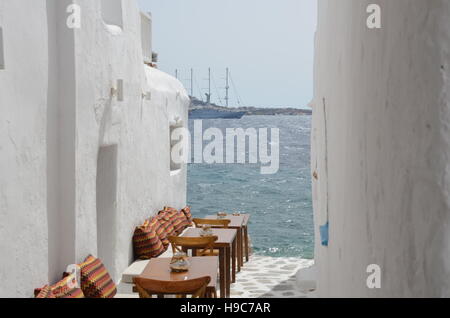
[201, 109]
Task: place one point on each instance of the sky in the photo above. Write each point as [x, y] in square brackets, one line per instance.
[268, 46]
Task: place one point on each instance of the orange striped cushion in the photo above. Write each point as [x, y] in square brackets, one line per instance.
[187, 212]
[95, 279]
[167, 223]
[160, 228]
[184, 221]
[179, 221]
[62, 289]
[170, 209]
[146, 242]
[44, 292]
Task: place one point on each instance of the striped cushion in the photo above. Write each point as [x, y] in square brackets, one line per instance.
[187, 213]
[160, 228]
[146, 242]
[179, 221]
[167, 223]
[170, 209]
[44, 292]
[95, 279]
[184, 221]
[62, 289]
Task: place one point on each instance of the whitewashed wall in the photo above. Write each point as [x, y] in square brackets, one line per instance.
[23, 103]
[381, 147]
[58, 113]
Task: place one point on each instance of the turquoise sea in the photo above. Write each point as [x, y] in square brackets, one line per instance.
[280, 204]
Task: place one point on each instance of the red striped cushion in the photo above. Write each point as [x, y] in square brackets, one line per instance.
[95, 279]
[170, 209]
[160, 228]
[171, 213]
[187, 213]
[146, 242]
[44, 292]
[184, 221]
[179, 221]
[62, 289]
[167, 223]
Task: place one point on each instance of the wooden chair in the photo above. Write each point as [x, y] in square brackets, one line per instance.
[213, 223]
[203, 246]
[195, 287]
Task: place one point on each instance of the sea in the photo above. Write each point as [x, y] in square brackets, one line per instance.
[280, 204]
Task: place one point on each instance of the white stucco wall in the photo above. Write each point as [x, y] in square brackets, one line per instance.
[23, 103]
[381, 148]
[58, 112]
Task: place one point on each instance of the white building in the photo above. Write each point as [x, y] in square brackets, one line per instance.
[82, 161]
[381, 148]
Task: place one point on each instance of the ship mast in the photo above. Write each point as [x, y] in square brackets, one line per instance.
[208, 96]
[192, 82]
[227, 88]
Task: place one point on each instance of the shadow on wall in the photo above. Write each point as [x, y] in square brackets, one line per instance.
[107, 204]
[60, 140]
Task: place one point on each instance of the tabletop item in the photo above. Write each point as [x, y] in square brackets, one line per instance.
[206, 231]
[179, 263]
[222, 215]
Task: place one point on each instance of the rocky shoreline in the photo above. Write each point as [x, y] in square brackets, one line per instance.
[252, 111]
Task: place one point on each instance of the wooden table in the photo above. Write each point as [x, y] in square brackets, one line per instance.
[159, 269]
[227, 246]
[237, 223]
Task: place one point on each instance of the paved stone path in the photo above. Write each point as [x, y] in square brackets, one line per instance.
[269, 277]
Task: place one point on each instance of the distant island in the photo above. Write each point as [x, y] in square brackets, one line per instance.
[250, 111]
